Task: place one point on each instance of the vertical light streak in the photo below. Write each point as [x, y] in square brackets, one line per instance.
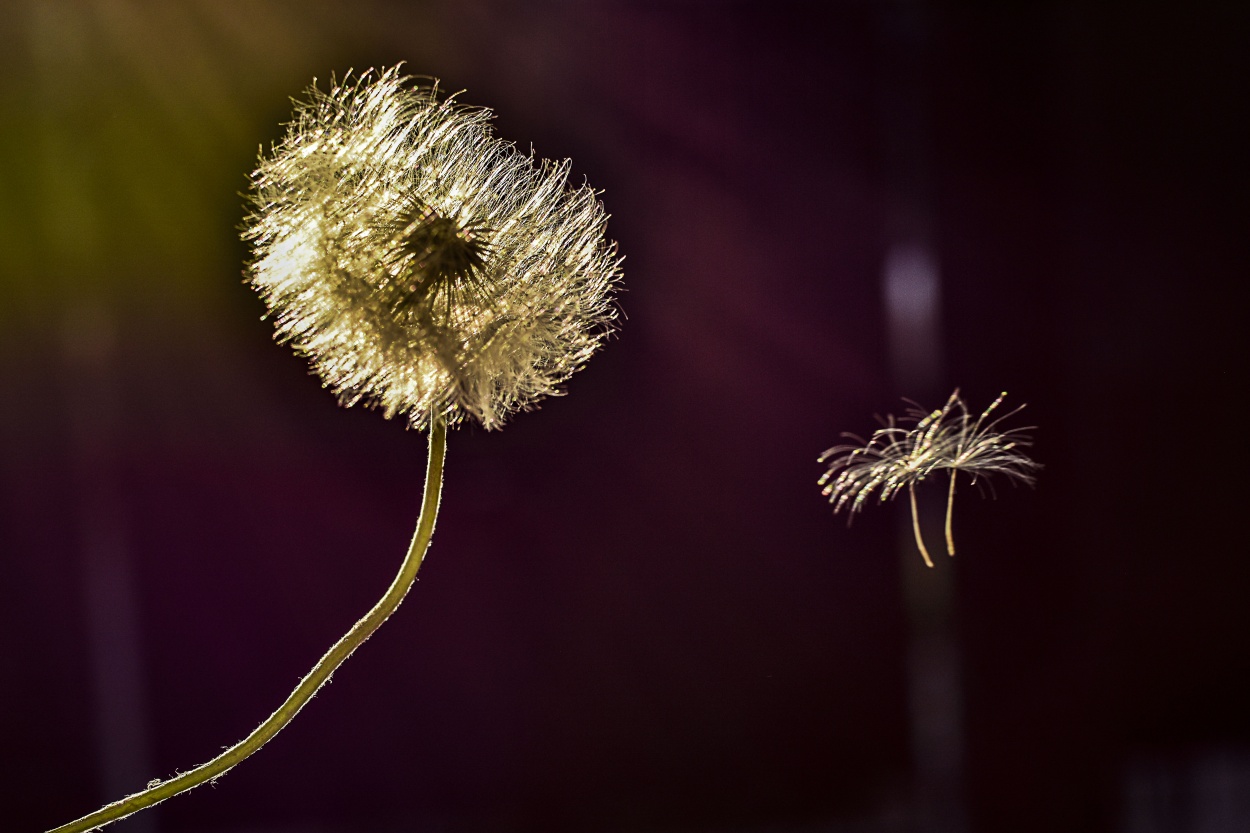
[911, 292]
[114, 632]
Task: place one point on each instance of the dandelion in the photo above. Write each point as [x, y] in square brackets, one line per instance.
[423, 266]
[897, 457]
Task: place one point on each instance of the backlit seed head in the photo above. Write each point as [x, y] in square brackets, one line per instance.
[422, 264]
[948, 439]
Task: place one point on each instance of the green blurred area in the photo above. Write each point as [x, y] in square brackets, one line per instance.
[128, 128]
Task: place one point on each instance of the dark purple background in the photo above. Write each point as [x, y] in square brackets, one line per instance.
[638, 613]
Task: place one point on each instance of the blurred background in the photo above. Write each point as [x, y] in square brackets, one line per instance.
[638, 613]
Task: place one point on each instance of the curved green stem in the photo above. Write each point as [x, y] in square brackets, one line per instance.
[317, 677]
[915, 528]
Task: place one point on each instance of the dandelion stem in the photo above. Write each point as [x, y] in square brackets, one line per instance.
[317, 677]
[950, 503]
[915, 528]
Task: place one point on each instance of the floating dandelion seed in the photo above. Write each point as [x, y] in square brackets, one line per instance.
[948, 438]
[422, 264]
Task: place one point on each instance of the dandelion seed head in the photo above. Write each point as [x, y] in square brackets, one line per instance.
[422, 264]
[949, 438]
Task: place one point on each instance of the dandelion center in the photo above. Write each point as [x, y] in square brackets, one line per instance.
[437, 253]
